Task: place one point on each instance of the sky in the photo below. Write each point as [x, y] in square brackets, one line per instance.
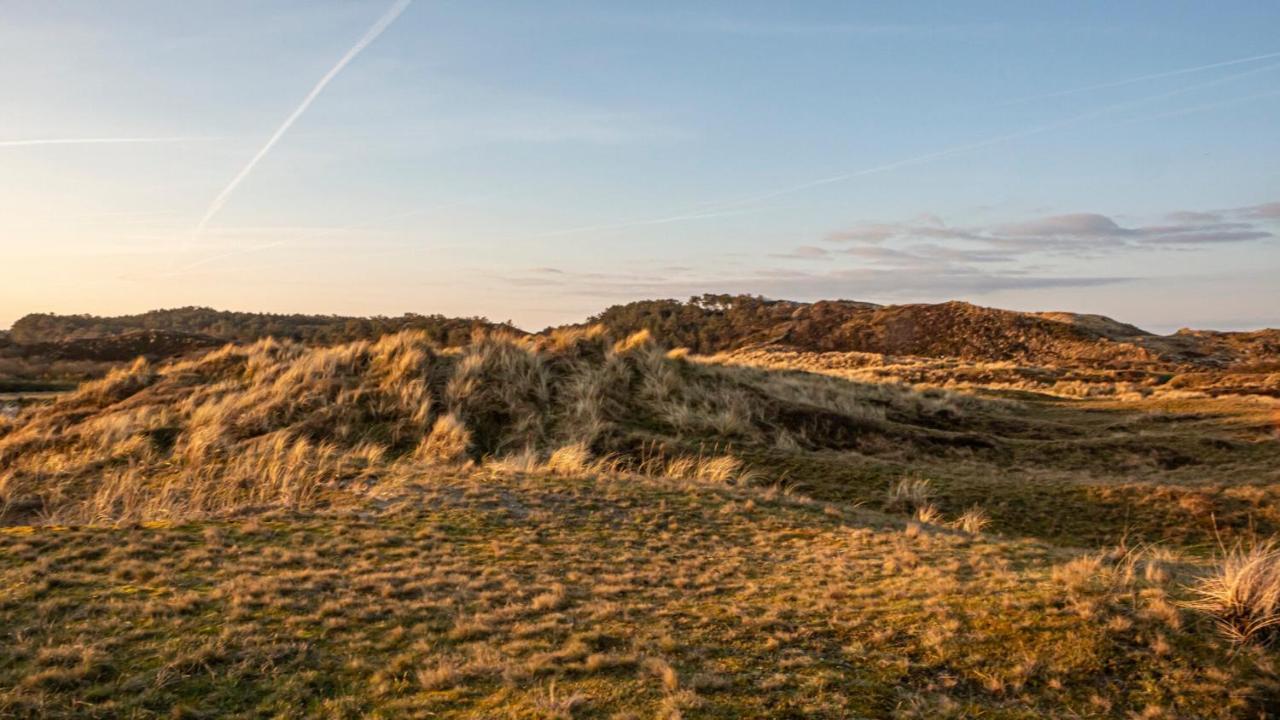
[538, 162]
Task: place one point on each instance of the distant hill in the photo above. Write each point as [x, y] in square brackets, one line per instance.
[712, 323]
[49, 350]
[243, 326]
[706, 324]
[718, 323]
[151, 344]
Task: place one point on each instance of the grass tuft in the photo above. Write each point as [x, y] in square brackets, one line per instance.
[448, 441]
[1243, 593]
[908, 494]
[972, 521]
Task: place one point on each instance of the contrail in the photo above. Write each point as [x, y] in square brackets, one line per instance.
[377, 29]
[997, 139]
[723, 208]
[1204, 107]
[1140, 78]
[91, 141]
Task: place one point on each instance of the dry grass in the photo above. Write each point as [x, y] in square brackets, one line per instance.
[579, 526]
[448, 441]
[909, 494]
[1243, 593]
[322, 425]
[279, 424]
[943, 375]
[475, 595]
[973, 521]
[928, 514]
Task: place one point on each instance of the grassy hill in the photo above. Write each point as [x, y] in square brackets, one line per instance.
[45, 352]
[576, 525]
[1067, 347]
[229, 326]
[955, 330]
[339, 413]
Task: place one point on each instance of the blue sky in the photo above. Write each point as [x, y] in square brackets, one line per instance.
[540, 161]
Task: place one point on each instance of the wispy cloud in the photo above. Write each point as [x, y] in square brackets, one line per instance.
[923, 258]
[372, 34]
[1141, 79]
[859, 283]
[1263, 212]
[806, 252]
[714, 209]
[34, 142]
[929, 255]
[987, 142]
[1266, 211]
[778, 28]
[1204, 107]
[1092, 230]
[1194, 216]
[1073, 233]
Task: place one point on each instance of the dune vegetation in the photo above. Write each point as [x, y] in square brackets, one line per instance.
[279, 422]
[575, 524]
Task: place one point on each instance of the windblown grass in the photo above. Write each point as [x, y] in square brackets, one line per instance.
[1086, 380]
[1243, 593]
[275, 423]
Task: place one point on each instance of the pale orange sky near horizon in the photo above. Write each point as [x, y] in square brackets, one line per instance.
[541, 164]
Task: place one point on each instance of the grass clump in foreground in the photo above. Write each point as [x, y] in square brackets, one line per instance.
[474, 594]
[1243, 593]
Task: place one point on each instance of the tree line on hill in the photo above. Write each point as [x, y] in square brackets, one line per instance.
[711, 323]
[705, 324]
[243, 326]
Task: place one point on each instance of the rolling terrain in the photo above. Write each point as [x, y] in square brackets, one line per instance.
[724, 508]
[45, 351]
[956, 330]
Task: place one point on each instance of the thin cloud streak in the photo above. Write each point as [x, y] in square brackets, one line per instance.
[34, 142]
[1205, 106]
[372, 34]
[1081, 235]
[939, 282]
[994, 140]
[719, 208]
[1140, 78]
